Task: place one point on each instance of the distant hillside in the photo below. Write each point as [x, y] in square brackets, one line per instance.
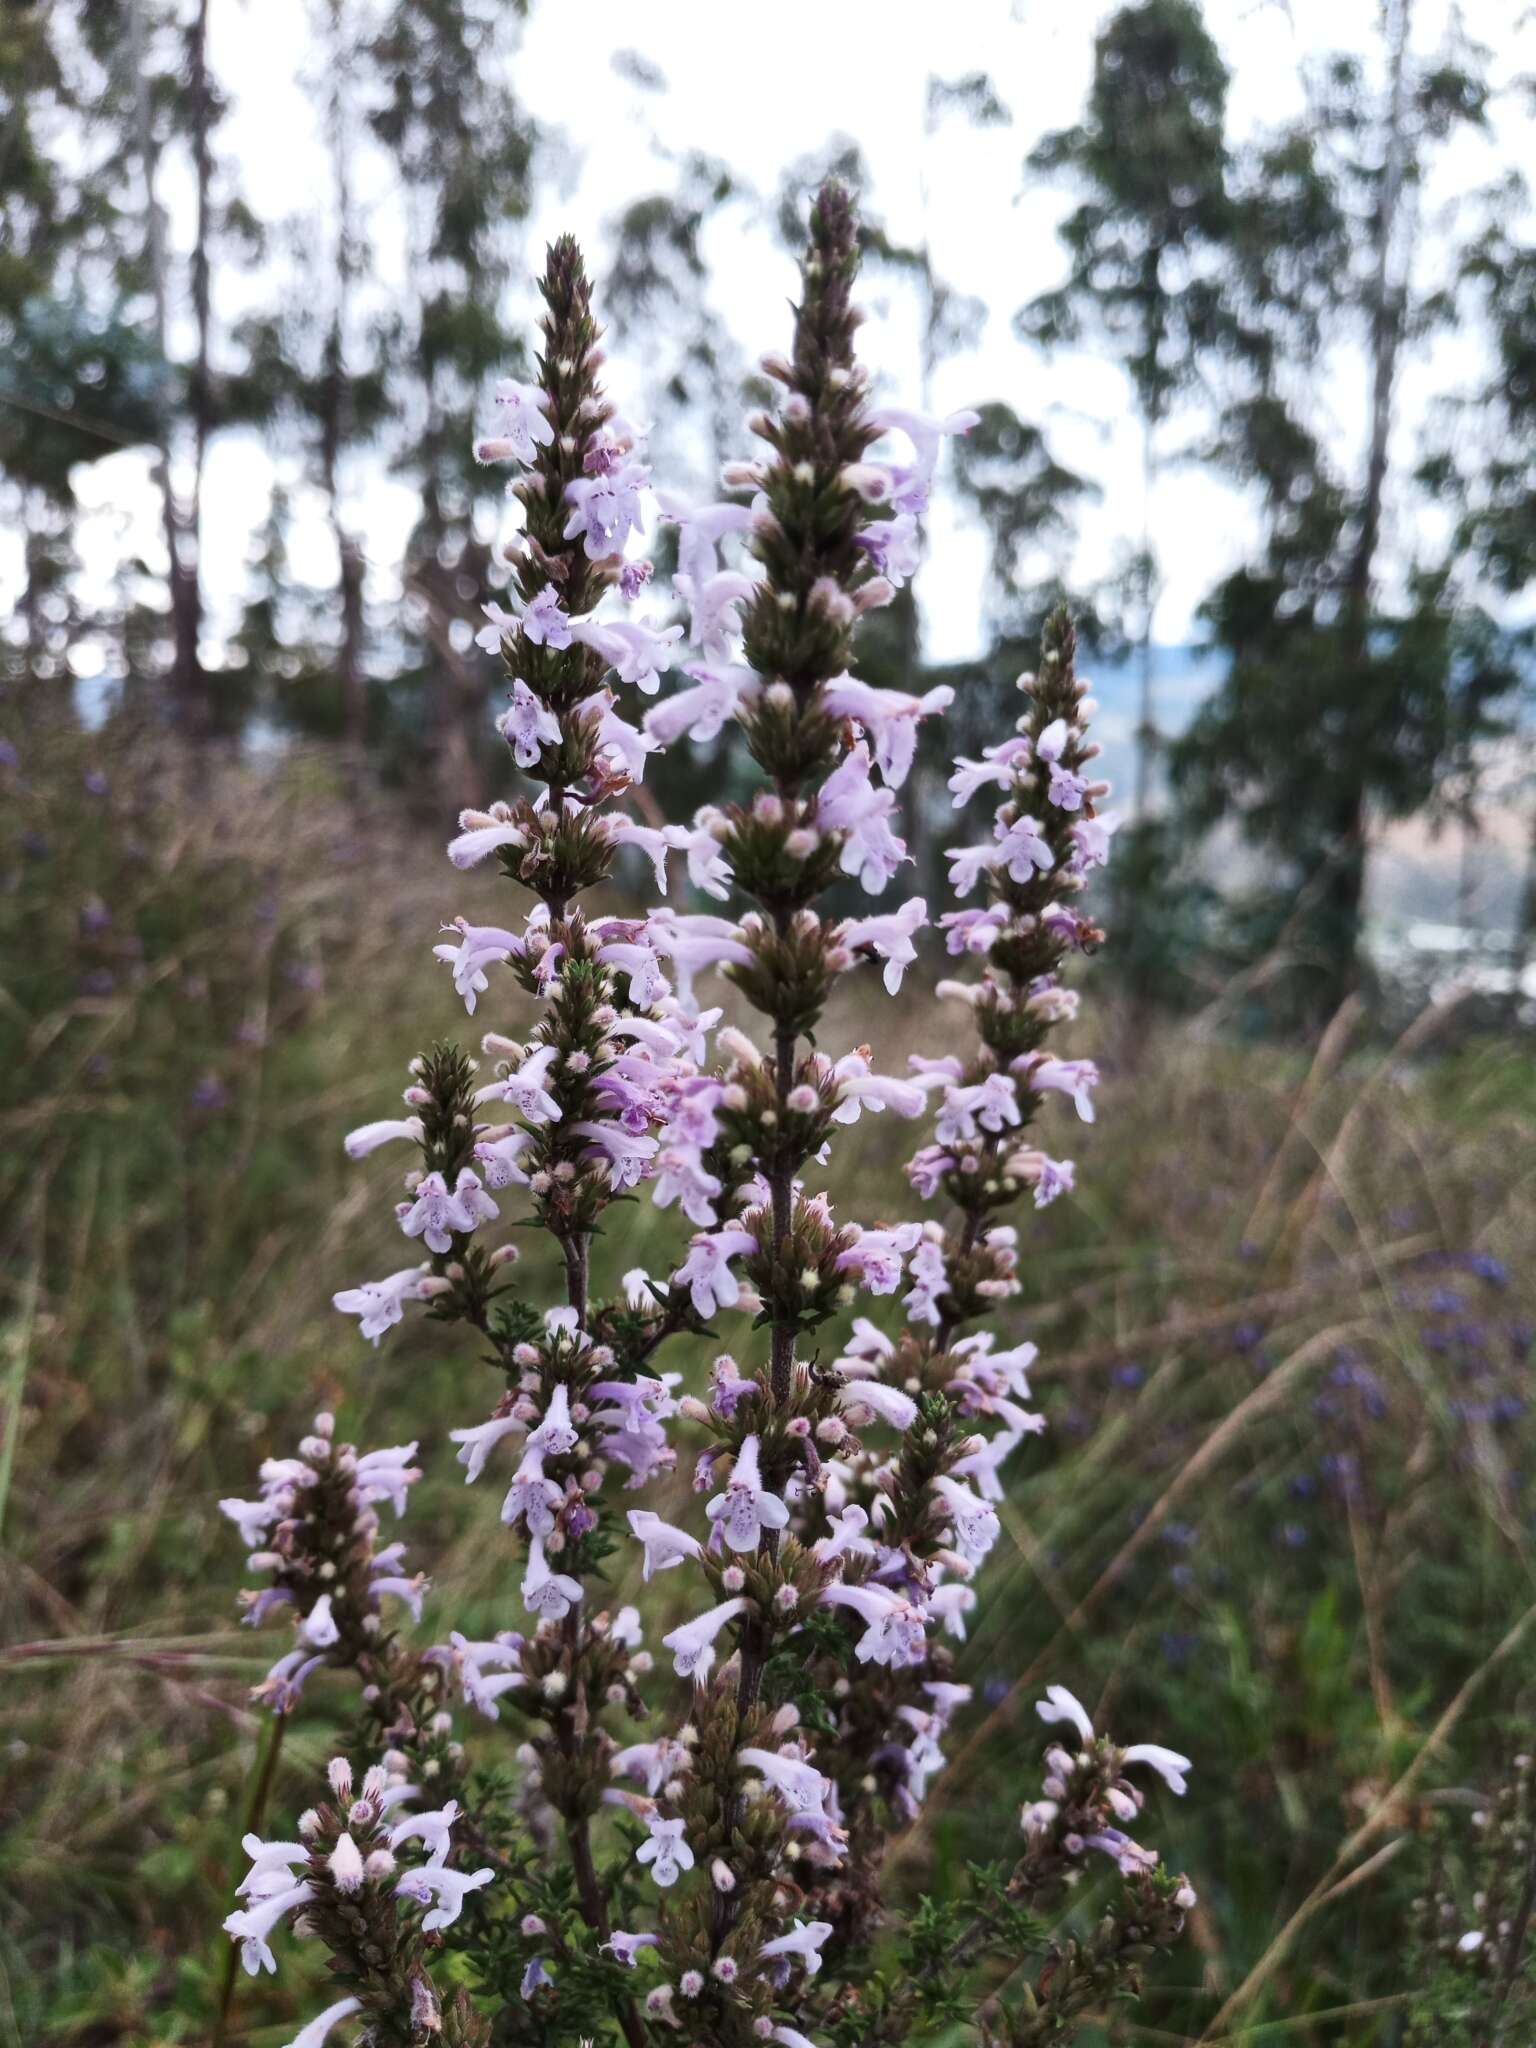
[1417, 875]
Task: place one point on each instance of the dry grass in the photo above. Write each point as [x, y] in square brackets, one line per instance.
[1190, 1546]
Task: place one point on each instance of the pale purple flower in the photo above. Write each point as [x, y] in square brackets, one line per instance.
[531, 1497]
[701, 528]
[251, 1925]
[929, 1277]
[480, 946]
[695, 942]
[544, 621]
[650, 840]
[522, 409]
[714, 609]
[927, 1168]
[626, 1947]
[527, 726]
[875, 1256]
[474, 1661]
[450, 1888]
[693, 1644]
[472, 1198]
[973, 931]
[482, 834]
[894, 547]
[665, 1546]
[845, 1536]
[889, 717]
[998, 766]
[638, 962]
[891, 936]
[975, 1523]
[949, 1605]
[502, 625]
[1091, 837]
[550, 1595]
[1075, 1079]
[859, 1089]
[1167, 1763]
[746, 1508]
[525, 1089]
[805, 1941]
[369, 1137]
[706, 1270]
[1129, 1857]
[702, 711]
[894, 1407]
[436, 1215]
[624, 746]
[606, 509]
[666, 1852]
[653, 1762]
[926, 431]
[271, 1866]
[894, 1632]
[1048, 1177]
[1060, 1705]
[637, 651]
[556, 1433]
[869, 1342]
[991, 1104]
[997, 1371]
[967, 865]
[628, 1155]
[707, 866]
[499, 1154]
[680, 1177]
[345, 1865]
[1022, 848]
[850, 804]
[319, 2028]
[1067, 789]
[984, 1465]
[380, 1303]
[727, 1388]
[319, 1625]
[388, 1474]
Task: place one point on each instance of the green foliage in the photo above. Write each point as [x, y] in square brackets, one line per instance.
[1297, 1632]
[1150, 158]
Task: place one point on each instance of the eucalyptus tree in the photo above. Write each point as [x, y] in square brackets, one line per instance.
[1495, 481]
[438, 77]
[1144, 244]
[78, 378]
[319, 370]
[1356, 676]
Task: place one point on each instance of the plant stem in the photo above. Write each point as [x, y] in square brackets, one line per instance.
[255, 1813]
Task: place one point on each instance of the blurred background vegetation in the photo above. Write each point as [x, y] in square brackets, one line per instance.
[1283, 1519]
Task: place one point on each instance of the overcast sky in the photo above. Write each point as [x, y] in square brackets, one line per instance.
[760, 86]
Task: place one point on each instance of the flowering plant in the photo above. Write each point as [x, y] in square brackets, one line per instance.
[696, 1843]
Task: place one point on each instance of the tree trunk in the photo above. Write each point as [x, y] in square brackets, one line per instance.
[1524, 944]
[454, 695]
[199, 381]
[1344, 882]
[188, 684]
[337, 430]
[1146, 722]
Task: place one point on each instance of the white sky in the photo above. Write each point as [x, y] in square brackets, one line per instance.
[760, 86]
